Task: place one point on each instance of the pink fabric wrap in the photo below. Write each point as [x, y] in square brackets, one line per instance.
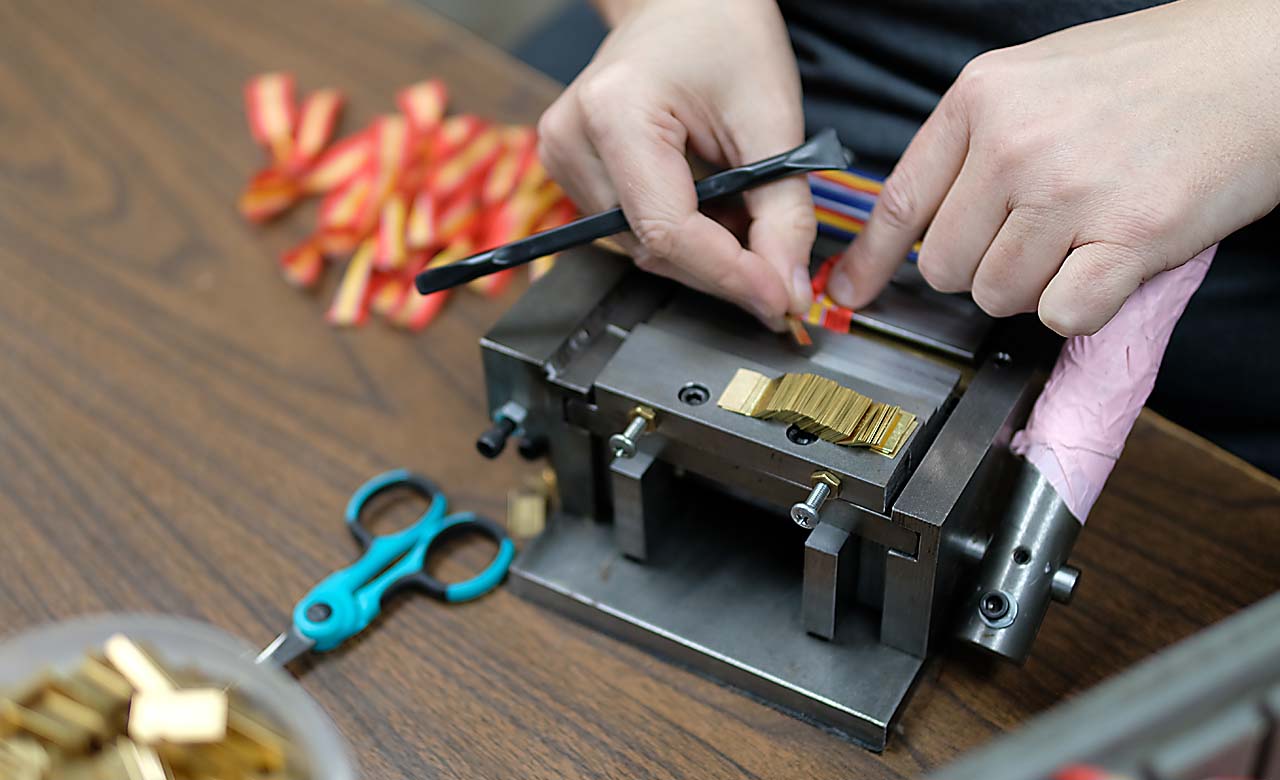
[1097, 388]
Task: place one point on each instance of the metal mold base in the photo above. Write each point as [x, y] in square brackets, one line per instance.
[720, 593]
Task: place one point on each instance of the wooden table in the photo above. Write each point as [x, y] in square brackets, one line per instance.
[179, 429]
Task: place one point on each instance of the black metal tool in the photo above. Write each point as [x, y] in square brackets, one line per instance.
[821, 152]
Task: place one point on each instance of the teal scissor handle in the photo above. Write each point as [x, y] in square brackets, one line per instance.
[346, 602]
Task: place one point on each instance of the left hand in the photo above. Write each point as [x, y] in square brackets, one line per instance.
[1061, 174]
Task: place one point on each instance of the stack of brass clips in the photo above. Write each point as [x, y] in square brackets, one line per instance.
[821, 407]
[528, 504]
[121, 715]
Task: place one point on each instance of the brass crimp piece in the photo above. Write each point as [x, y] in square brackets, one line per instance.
[646, 414]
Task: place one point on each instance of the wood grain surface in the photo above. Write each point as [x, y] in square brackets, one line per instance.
[179, 429]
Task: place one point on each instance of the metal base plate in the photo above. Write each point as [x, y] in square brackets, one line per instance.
[721, 594]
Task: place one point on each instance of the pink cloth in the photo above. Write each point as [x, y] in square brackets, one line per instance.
[1097, 388]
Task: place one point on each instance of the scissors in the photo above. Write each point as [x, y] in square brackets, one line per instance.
[346, 602]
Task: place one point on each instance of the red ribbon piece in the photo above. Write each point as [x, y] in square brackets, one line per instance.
[303, 264]
[272, 114]
[351, 303]
[293, 140]
[318, 117]
[423, 105]
[339, 163]
[519, 150]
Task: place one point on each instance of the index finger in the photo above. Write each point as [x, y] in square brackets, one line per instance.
[911, 196]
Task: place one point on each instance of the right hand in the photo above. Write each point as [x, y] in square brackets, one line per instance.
[717, 77]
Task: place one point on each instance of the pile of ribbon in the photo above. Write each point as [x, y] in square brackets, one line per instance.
[412, 190]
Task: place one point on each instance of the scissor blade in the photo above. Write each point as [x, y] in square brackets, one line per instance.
[286, 647]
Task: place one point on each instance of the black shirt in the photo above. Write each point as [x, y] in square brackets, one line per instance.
[874, 69]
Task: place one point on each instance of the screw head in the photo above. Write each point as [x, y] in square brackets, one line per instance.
[997, 609]
[804, 515]
[797, 435]
[319, 612]
[694, 394]
[622, 446]
[994, 605]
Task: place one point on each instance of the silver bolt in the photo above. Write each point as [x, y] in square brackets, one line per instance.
[624, 444]
[1063, 585]
[805, 513]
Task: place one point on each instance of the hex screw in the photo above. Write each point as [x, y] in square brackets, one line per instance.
[624, 444]
[993, 605]
[805, 513]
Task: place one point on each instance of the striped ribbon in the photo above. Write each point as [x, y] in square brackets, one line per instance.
[842, 201]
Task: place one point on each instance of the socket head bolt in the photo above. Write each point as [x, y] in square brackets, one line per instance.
[997, 609]
[624, 444]
[994, 605]
[825, 485]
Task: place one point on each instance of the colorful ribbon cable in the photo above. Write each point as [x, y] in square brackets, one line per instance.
[842, 201]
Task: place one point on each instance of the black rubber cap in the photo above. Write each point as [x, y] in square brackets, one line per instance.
[532, 447]
[492, 441]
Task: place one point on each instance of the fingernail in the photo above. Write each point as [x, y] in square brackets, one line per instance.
[801, 290]
[840, 287]
[771, 321]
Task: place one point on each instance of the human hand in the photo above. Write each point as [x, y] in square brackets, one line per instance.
[1060, 174]
[717, 77]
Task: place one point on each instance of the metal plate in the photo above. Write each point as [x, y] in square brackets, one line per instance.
[653, 364]
[721, 593]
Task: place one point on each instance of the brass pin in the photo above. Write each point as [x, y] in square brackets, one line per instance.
[23, 758]
[97, 672]
[142, 672]
[46, 727]
[74, 727]
[69, 710]
[194, 716]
